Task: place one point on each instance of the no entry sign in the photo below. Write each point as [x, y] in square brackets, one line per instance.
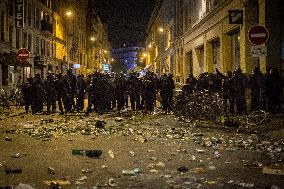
[258, 35]
[23, 54]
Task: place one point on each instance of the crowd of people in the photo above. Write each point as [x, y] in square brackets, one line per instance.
[114, 92]
[263, 90]
[104, 92]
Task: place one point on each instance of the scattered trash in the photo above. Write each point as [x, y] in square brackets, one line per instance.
[216, 154]
[8, 139]
[119, 119]
[111, 182]
[60, 182]
[88, 153]
[198, 170]
[183, 169]
[131, 172]
[83, 178]
[28, 126]
[24, 186]
[200, 151]
[212, 167]
[153, 171]
[87, 171]
[100, 124]
[132, 153]
[6, 187]
[51, 170]
[111, 154]
[156, 165]
[272, 171]
[16, 155]
[11, 170]
[211, 182]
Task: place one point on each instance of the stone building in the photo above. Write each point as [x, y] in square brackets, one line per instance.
[160, 38]
[53, 31]
[205, 39]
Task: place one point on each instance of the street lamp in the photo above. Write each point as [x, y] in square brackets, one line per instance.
[145, 54]
[68, 13]
[93, 38]
[161, 29]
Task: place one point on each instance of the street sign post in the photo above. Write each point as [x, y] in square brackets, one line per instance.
[23, 54]
[258, 51]
[258, 35]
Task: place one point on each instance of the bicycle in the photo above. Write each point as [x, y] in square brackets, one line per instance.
[255, 117]
[4, 102]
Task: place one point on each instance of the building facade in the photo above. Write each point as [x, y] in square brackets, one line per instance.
[160, 38]
[98, 45]
[53, 31]
[205, 38]
[127, 59]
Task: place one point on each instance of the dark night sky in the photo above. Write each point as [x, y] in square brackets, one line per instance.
[127, 20]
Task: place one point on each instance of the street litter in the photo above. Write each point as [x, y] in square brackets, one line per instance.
[87, 171]
[24, 186]
[51, 170]
[60, 182]
[131, 172]
[88, 153]
[272, 171]
[111, 154]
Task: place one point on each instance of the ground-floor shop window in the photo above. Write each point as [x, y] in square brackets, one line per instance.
[216, 55]
[235, 41]
[5, 75]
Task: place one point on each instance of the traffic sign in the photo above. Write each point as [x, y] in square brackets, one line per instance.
[23, 54]
[258, 35]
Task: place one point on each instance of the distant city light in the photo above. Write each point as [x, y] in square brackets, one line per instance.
[92, 38]
[144, 54]
[161, 29]
[105, 51]
[149, 45]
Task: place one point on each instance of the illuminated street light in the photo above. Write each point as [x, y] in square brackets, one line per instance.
[145, 54]
[150, 46]
[92, 38]
[112, 60]
[68, 13]
[161, 30]
[105, 51]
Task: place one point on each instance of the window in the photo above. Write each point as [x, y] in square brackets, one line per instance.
[216, 55]
[25, 40]
[37, 46]
[17, 38]
[200, 57]
[29, 17]
[189, 62]
[2, 26]
[29, 42]
[11, 35]
[235, 44]
[42, 45]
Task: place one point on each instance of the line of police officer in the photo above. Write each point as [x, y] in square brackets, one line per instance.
[265, 89]
[104, 92]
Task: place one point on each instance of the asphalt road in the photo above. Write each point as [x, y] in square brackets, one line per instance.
[165, 151]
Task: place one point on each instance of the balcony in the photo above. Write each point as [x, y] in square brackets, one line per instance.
[46, 26]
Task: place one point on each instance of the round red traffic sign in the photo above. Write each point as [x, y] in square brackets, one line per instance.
[258, 35]
[23, 54]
